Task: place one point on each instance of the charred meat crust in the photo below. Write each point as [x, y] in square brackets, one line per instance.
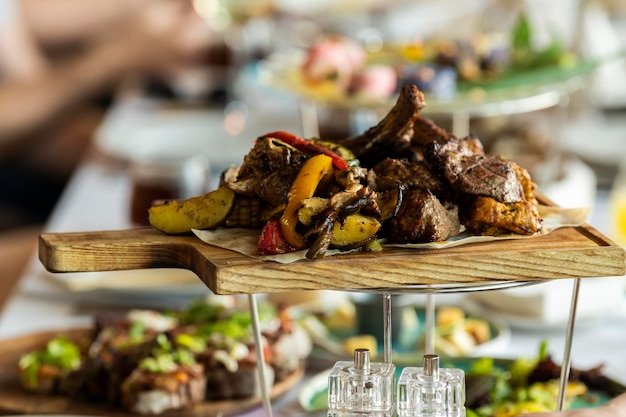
[392, 136]
[486, 216]
[423, 218]
[390, 173]
[426, 131]
[243, 383]
[463, 163]
[268, 171]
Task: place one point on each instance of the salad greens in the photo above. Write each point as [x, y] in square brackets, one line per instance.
[165, 358]
[137, 332]
[493, 391]
[200, 311]
[60, 353]
[231, 323]
[236, 326]
[525, 56]
[194, 343]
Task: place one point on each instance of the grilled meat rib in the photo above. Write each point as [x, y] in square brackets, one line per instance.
[490, 177]
[392, 136]
[426, 131]
[446, 157]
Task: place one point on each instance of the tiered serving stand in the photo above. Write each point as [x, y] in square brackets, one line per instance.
[570, 252]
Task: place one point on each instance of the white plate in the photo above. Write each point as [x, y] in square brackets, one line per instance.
[147, 288]
[546, 306]
[598, 140]
[138, 128]
[170, 280]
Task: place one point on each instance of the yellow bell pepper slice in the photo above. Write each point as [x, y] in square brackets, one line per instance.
[303, 187]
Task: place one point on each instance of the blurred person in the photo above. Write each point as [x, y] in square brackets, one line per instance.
[57, 57]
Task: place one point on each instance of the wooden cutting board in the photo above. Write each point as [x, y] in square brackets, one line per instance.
[14, 400]
[569, 252]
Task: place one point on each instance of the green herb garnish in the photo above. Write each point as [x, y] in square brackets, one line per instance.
[60, 353]
[165, 358]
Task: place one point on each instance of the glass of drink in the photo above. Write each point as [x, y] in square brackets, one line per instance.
[158, 178]
[618, 205]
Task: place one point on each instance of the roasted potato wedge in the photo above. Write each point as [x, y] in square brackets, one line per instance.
[310, 208]
[207, 211]
[353, 230]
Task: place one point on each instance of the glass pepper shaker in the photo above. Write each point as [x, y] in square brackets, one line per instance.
[431, 391]
[361, 386]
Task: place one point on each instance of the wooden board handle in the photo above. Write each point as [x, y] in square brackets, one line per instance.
[141, 248]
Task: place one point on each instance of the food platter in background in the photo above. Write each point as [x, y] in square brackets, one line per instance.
[200, 360]
[327, 8]
[516, 93]
[14, 400]
[482, 73]
[336, 330]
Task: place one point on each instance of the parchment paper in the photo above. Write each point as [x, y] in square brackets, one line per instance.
[245, 241]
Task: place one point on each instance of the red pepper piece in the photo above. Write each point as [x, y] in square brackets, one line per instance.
[272, 241]
[309, 147]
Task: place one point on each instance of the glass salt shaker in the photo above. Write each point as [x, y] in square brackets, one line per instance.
[361, 386]
[431, 391]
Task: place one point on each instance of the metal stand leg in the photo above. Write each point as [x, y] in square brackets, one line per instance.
[565, 367]
[430, 324]
[387, 347]
[362, 119]
[308, 115]
[260, 360]
[460, 124]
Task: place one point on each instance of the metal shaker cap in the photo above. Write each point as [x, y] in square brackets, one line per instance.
[362, 359]
[431, 365]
